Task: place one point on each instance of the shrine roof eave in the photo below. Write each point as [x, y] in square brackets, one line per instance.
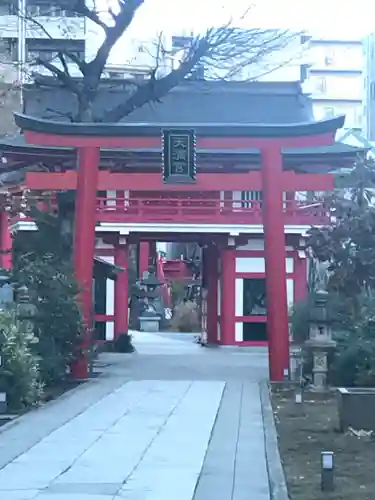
[277, 130]
[17, 145]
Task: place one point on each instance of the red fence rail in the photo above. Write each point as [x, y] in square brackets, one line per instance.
[211, 211]
[199, 211]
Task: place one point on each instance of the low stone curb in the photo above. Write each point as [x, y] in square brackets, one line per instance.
[276, 477]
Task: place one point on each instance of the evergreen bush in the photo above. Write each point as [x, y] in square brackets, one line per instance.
[43, 263]
[19, 371]
[123, 343]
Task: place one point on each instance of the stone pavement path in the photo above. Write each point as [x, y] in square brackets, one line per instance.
[173, 421]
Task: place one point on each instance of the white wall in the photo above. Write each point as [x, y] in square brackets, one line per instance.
[110, 301]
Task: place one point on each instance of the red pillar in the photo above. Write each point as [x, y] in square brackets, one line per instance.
[6, 242]
[84, 239]
[121, 291]
[212, 293]
[227, 306]
[152, 250]
[275, 254]
[144, 254]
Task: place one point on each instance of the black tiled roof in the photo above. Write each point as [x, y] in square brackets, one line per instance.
[191, 102]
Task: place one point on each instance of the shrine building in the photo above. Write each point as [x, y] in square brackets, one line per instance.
[230, 166]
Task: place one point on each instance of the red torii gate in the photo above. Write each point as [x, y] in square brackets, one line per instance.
[88, 139]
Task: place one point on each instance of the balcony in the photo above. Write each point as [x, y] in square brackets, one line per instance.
[202, 211]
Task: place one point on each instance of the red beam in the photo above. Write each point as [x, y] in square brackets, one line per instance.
[46, 181]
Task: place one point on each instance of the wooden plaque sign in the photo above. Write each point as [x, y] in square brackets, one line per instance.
[179, 156]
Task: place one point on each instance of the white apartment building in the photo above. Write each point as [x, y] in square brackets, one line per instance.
[369, 87]
[335, 79]
[42, 29]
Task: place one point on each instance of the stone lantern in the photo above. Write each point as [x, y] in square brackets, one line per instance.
[26, 312]
[320, 339]
[150, 295]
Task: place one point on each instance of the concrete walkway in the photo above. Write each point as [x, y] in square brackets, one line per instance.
[173, 421]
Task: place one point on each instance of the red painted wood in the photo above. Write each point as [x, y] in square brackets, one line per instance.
[277, 305]
[259, 253]
[121, 292]
[251, 319]
[153, 182]
[75, 141]
[252, 343]
[104, 317]
[212, 275]
[84, 228]
[197, 211]
[176, 270]
[227, 283]
[6, 241]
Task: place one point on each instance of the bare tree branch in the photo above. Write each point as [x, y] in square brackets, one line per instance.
[82, 9]
[224, 52]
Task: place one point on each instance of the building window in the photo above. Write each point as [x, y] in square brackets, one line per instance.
[321, 85]
[329, 112]
[254, 297]
[328, 61]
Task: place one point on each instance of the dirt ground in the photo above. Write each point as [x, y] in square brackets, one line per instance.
[304, 435]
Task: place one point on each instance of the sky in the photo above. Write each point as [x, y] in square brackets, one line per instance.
[323, 17]
[339, 19]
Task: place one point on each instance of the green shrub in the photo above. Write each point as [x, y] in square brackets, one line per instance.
[19, 371]
[299, 321]
[123, 343]
[58, 320]
[186, 318]
[354, 360]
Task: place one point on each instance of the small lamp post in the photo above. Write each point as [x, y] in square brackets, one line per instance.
[320, 339]
[327, 471]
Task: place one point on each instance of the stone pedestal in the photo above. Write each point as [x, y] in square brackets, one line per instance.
[320, 352]
[149, 323]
